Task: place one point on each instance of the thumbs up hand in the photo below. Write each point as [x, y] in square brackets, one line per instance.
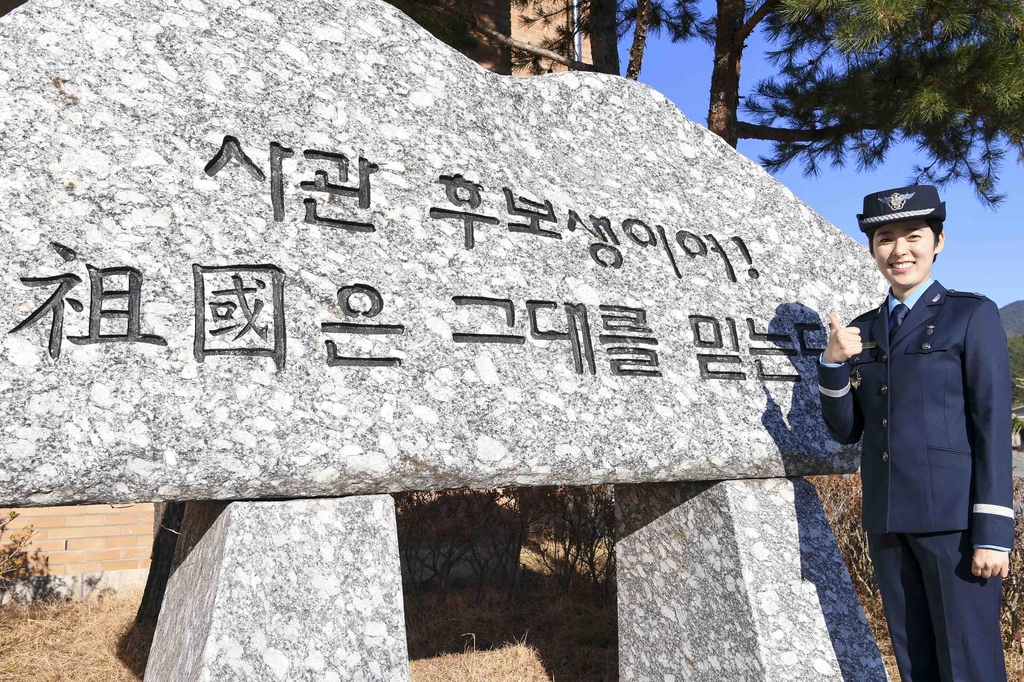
[843, 342]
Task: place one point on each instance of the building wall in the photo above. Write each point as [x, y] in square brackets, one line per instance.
[81, 550]
[490, 54]
[538, 32]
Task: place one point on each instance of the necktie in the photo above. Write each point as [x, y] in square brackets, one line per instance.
[898, 313]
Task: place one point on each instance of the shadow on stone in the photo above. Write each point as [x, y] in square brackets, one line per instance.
[739, 580]
[798, 438]
[822, 565]
[167, 527]
[799, 435]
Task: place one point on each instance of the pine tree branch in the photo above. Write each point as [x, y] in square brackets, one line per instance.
[752, 131]
[530, 49]
[756, 18]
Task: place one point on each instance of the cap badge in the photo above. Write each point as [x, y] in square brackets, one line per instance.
[896, 201]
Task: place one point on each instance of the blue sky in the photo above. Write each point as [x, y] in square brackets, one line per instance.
[984, 249]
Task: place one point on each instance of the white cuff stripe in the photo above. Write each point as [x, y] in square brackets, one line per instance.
[833, 393]
[993, 509]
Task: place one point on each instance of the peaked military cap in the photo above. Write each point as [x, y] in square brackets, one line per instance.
[902, 203]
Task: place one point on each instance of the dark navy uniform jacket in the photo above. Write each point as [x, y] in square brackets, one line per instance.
[934, 411]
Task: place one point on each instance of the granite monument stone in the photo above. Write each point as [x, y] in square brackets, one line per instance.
[252, 249]
[258, 250]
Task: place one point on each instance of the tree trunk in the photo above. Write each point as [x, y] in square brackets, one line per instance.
[725, 77]
[636, 52]
[169, 515]
[604, 47]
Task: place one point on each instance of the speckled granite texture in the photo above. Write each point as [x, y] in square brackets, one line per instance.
[232, 373]
[274, 591]
[738, 580]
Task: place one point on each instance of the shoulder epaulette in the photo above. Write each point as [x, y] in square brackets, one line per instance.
[964, 294]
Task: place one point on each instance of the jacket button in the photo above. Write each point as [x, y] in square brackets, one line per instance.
[884, 389]
[884, 358]
[926, 346]
[885, 456]
[885, 422]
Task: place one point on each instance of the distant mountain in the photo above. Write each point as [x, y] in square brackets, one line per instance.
[1012, 316]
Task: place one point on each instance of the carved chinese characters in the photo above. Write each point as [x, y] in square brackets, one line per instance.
[115, 306]
[240, 310]
[245, 308]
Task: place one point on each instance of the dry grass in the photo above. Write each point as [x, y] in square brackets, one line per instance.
[538, 637]
[510, 663]
[89, 641]
[570, 639]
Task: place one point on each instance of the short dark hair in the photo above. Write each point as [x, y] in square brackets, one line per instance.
[936, 226]
[934, 223]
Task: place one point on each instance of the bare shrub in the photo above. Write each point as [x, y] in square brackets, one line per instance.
[433, 536]
[1013, 584]
[460, 537]
[14, 555]
[576, 539]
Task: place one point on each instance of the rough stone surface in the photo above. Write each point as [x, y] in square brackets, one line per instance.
[111, 109]
[736, 580]
[296, 590]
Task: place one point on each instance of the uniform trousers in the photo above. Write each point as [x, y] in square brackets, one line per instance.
[943, 620]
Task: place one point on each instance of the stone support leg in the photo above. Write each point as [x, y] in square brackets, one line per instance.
[294, 590]
[736, 580]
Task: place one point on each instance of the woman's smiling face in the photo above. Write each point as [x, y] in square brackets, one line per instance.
[904, 252]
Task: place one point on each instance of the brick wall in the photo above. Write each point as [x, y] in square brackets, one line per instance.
[538, 32]
[81, 550]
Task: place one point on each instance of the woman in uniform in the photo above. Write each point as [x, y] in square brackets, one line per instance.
[925, 380]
